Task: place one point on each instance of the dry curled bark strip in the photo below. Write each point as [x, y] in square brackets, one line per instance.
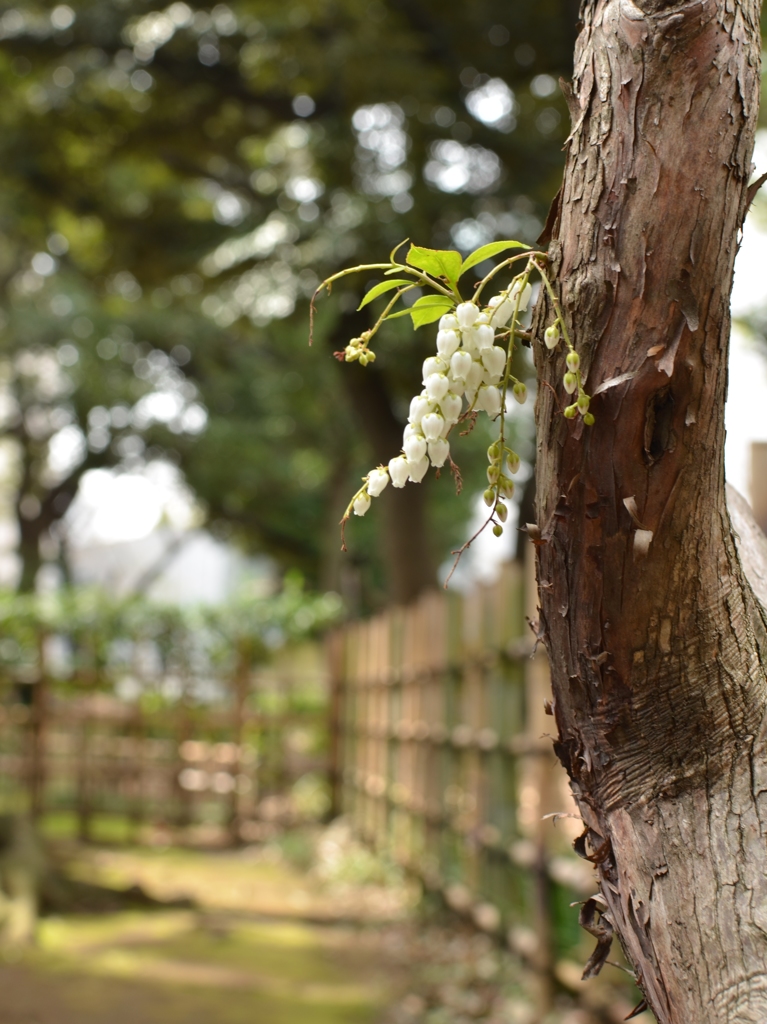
[658, 662]
[598, 924]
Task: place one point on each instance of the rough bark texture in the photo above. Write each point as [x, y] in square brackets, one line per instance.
[658, 659]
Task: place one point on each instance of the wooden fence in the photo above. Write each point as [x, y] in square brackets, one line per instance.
[118, 765]
[444, 761]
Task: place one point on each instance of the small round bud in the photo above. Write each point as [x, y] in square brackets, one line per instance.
[573, 360]
[501, 511]
[570, 382]
[489, 497]
[371, 356]
[583, 404]
[494, 451]
[506, 486]
[351, 352]
[571, 412]
[520, 392]
[551, 336]
[363, 358]
[497, 530]
[493, 472]
[588, 419]
[513, 460]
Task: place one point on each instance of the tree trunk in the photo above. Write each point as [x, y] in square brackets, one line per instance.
[658, 657]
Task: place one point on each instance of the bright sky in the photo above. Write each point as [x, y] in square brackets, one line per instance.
[747, 396]
[113, 506]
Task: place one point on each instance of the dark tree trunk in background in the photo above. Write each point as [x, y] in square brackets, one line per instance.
[658, 658]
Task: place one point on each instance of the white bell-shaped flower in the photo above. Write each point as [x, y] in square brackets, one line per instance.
[485, 337]
[489, 399]
[457, 387]
[469, 341]
[377, 481]
[460, 365]
[433, 426]
[551, 336]
[491, 378]
[467, 314]
[450, 406]
[419, 407]
[448, 322]
[432, 365]
[438, 452]
[494, 360]
[437, 386]
[417, 470]
[447, 343]
[524, 297]
[414, 447]
[398, 471]
[474, 378]
[361, 504]
[502, 307]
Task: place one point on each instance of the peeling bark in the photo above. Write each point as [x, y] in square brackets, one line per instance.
[658, 653]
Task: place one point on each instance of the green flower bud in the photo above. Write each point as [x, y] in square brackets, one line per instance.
[489, 497]
[588, 419]
[493, 472]
[513, 461]
[497, 529]
[501, 511]
[573, 360]
[520, 392]
[583, 404]
[571, 412]
[570, 382]
[363, 358]
[506, 486]
[494, 452]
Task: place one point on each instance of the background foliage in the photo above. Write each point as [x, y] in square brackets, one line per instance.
[176, 179]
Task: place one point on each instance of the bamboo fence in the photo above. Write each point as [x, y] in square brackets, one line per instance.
[444, 761]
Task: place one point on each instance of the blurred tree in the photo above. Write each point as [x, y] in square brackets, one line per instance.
[220, 161]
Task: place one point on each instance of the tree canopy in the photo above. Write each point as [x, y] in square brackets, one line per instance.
[178, 178]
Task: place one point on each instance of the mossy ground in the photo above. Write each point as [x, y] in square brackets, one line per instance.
[263, 945]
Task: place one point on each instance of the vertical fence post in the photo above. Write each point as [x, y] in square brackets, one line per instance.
[539, 778]
[334, 655]
[83, 798]
[240, 696]
[38, 723]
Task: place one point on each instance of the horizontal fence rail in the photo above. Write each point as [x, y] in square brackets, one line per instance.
[443, 761]
[232, 762]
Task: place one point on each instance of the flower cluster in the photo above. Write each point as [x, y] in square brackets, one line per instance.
[571, 379]
[468, 367]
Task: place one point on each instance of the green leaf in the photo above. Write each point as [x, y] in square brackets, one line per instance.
[486, 251]
[437, 262]
[425, 310]
[430, 308]
[380, 289]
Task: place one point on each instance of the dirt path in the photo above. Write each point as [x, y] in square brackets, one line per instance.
[282, 933]
[265, 944]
